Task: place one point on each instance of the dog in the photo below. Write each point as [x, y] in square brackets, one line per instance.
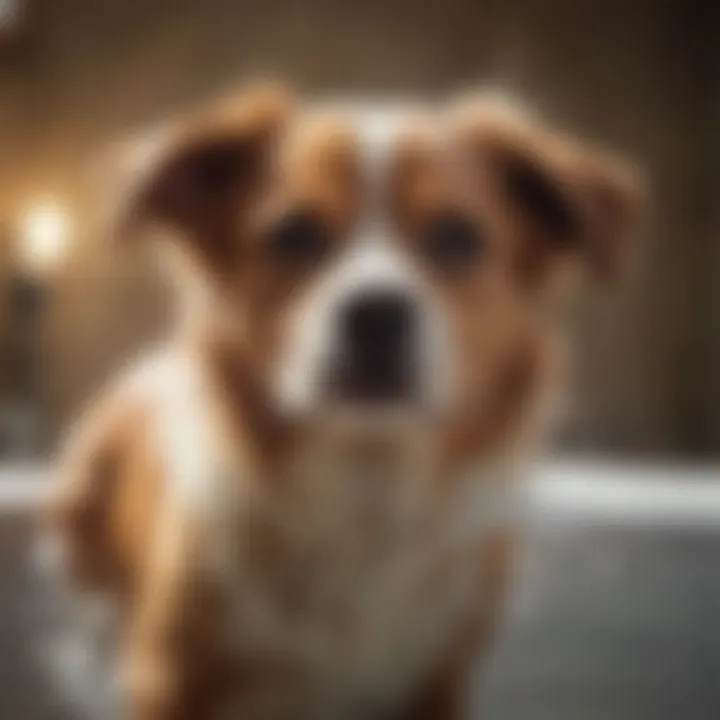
[301, 503]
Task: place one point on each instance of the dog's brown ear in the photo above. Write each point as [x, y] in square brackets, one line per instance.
[196, 177]
[562, 198]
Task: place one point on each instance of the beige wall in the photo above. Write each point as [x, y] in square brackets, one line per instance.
[629, 73]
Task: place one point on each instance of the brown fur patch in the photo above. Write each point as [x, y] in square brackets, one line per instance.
[559, 197]
[105, 495]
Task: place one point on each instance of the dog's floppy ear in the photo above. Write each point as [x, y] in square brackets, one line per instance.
[195, 178]
[563, 198]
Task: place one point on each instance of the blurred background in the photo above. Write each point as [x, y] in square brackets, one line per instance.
[618, 593]
[636, 75]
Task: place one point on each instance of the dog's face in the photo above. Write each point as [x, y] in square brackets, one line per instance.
[381, 261]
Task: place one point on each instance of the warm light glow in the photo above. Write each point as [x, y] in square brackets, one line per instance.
[9, 12]
[44, 235]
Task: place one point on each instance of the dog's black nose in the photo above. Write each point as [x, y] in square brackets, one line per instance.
[377, 338]
[382, 318]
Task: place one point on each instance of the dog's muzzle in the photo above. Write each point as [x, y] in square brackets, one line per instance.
[368, 336]
[377, 348]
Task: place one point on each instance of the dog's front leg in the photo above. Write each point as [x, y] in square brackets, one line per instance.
[445, 693]
[168, 660]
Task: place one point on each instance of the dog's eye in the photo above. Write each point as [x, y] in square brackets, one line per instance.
[451, 241]
[298, 239]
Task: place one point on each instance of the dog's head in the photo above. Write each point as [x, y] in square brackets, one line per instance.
[375, 260]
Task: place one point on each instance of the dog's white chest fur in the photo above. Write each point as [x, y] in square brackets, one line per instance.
[352, 584]
[349, 573]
